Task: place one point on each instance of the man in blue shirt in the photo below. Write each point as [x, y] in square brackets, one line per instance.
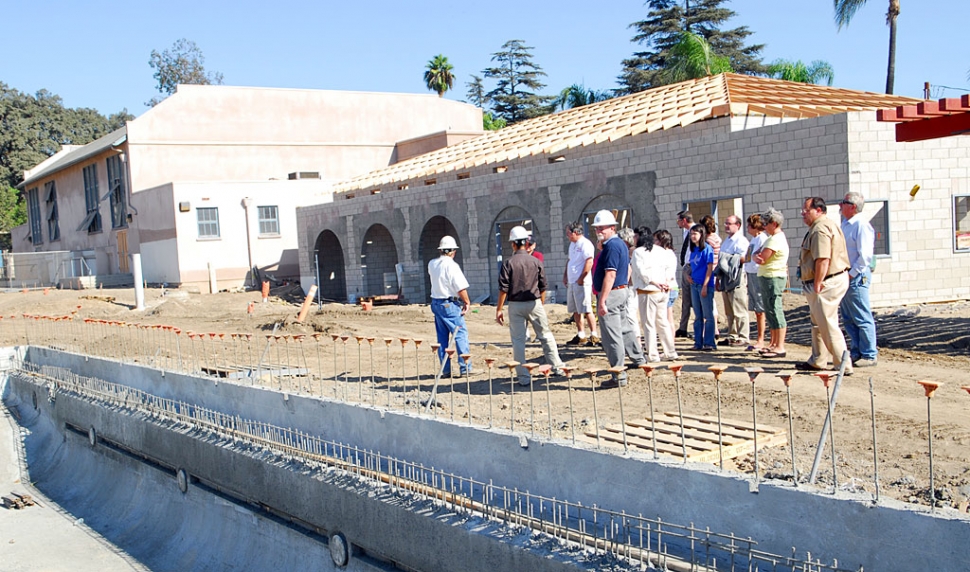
[610, 279]
[856, 312]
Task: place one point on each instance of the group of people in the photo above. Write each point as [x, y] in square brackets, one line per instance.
[638, 276]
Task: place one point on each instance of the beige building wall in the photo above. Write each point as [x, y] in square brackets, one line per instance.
[223, 133]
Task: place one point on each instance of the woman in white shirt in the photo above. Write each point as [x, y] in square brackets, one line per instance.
[651, 276]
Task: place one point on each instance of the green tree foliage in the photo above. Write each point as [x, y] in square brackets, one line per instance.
[34, 127]
[182, 63]
[692, 58]
[490, 123]
[846, 9]
[13, 212]
[514, 97]
[476, 92]
[661, 30]
[577, 95]
[815, 72]
[438, 76]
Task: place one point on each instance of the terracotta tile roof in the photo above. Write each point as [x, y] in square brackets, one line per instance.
[664, 107]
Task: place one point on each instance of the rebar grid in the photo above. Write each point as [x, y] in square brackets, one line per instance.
[633, 538]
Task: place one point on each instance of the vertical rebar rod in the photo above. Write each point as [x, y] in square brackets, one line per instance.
[875, 449]
[929, 388]
[680, 415]
[488, 365]
[596, 419]
[569, 393]
[387, 351]
[648, 371]
[786, 378]
[360, 371]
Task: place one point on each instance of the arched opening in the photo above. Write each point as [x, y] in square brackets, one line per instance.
[621, 210]
[500, 247]
[329, 259]
[378, 258]
[431, 234]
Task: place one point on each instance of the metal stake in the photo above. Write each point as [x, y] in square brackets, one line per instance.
[717, 370]
[512, 365]
[615, 372]
[676, 367]
[930, 387]
[488, 364]
[875, 453]
[753, 375]
[569, 392]
[596, 421]
[648, 371]
[786, 377]
[468, 384]
[826, 376]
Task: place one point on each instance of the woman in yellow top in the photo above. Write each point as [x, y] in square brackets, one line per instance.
[772, 262]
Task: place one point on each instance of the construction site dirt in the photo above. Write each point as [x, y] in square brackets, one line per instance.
[372, 356]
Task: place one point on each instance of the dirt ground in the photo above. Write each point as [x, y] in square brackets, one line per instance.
[928, 342]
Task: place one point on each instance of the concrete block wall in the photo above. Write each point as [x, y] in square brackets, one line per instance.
[767, 163]
[923, 258]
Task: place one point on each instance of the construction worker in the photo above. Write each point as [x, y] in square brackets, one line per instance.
[449, 303]
[522, 282]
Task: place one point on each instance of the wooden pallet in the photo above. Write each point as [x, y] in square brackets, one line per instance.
[700, 436]
[18, 501]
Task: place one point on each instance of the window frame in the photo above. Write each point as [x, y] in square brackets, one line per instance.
[199, 222]
[118, 204]
[33, 214]
[92, 201]
[275, 220]
[957, 235]
[53, 217]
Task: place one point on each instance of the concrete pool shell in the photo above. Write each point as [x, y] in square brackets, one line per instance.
[844, 527]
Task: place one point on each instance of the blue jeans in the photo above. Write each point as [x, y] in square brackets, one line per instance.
[447, 321]
[857, 318]
[703, 307]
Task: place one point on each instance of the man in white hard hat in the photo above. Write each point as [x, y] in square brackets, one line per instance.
[610, 279]
[449, 303]
[522, 283]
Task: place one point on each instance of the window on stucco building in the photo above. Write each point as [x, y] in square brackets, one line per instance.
[116, 184]
[269, 221]
[208, 219]
[53, 222]
[33, 212]
[92, 222]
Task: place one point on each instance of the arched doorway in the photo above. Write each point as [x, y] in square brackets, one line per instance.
[431, 234]
[330, 257]
[378, 257]
[499, 247]
[621, 210]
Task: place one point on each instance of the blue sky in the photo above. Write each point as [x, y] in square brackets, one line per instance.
[95, 53]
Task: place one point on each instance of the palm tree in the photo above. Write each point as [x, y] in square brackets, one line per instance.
[438, 76]
[846, 9]
[814, 72]
[691, 58]
[577, 95]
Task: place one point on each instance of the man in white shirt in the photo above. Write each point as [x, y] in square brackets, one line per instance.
[449, 303]
[860, 239]
[736, 299]
[579, 285]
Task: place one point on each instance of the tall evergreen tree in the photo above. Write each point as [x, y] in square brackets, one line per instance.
[476, 92]
[661, 30]
[514, 97]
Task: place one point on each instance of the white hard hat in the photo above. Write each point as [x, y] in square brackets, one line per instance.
[447, 243]
[604, 218]
[518, 233]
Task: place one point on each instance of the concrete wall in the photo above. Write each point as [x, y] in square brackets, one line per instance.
[765, 163]
[846, 527]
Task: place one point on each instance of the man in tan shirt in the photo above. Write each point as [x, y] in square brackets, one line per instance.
[822, 268]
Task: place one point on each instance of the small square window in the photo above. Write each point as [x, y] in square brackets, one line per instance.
[208, 219]
[269, 221]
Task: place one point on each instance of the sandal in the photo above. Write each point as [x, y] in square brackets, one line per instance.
[754, 349]
[773, 354]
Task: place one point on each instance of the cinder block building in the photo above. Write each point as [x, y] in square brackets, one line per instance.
[210, 179]
[722, 145]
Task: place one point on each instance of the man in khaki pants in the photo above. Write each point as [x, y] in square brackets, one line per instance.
[822, 267]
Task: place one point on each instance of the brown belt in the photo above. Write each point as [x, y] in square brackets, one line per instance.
[619, 287]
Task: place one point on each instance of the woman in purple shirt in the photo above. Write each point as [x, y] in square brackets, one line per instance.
[702, 288]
